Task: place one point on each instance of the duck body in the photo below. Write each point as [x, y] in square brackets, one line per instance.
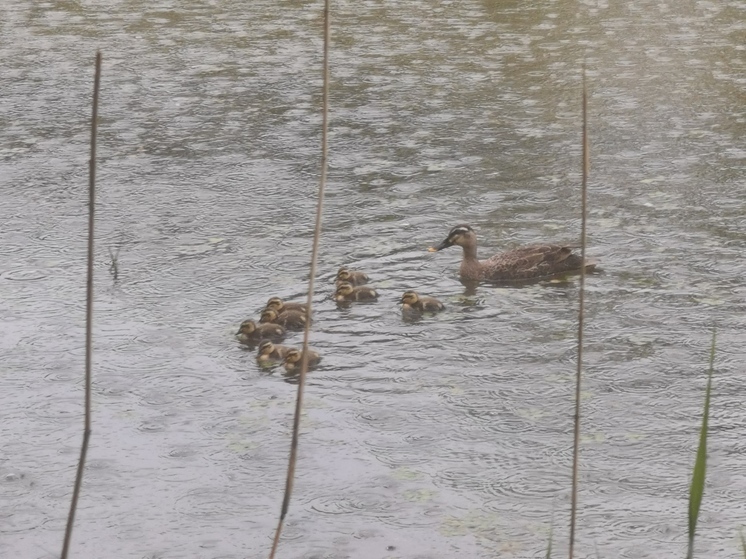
[250, 333]
[294, 360]
[412, 302]
[290, 319]
[279, 306]
[352, 277]
[272, 353]
[346, 292]
[523, 263]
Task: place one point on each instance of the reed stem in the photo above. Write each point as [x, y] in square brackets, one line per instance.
[581, 316]
[88, 314]
[312, 275]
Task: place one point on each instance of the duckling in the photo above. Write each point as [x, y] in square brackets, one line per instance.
[523, 263]
[293, 360]
[251, 333]
[351, 276]
[412, 302]
[270, 353]
[278, 305]
[346, 292]
[292, 320]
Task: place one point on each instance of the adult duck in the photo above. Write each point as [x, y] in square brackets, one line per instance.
[523, 263]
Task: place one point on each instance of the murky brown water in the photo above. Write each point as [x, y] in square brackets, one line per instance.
[443, 438]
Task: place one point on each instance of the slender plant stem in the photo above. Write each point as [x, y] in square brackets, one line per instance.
[699, 475]
[581, 316]
[312, 275]
[88, 312]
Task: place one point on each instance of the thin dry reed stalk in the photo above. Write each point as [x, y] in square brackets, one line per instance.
[581, 316]
[314, 257]
[88, 312]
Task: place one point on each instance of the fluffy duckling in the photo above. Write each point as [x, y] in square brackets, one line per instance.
[294, 360]
[251, 333]
[279, 306]
[346, 292]
[292, 320]
[523, 263]
[270, 353]
[412, 302]
[351, 276]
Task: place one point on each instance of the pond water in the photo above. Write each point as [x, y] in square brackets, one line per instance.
[450, 436]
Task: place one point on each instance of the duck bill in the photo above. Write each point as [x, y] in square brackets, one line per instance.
[445, 244]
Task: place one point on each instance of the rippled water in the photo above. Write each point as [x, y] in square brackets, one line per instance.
[446, 437]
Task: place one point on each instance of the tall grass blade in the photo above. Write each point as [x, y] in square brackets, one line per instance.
[743, 543]
[697, 488]
[581, 317]
[551, 535]
[88, 314]
[312, 275]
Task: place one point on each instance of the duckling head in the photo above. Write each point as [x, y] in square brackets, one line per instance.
[268, 315]
[344, 289]
[265, 348]
[293, 356]
[410, 298]
[246, 328]
[343, 274]
[460, 235]
[275, 304]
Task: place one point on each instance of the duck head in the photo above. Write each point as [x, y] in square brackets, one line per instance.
[268, 315]
[461, 235]
[293, 356]
[246, 328]
[266, 348]
[343, 290]
[275, 304]
[410, 298]
[343, 274]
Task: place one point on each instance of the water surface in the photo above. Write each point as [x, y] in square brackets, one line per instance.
[446, 437]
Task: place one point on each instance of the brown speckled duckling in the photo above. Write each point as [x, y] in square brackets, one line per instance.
[279, 306]
[251, 333]
[523, 263]
[412, 302]
[346, 292]
[270, 353]
[292, 320]
[293, 360]
[351, 276]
